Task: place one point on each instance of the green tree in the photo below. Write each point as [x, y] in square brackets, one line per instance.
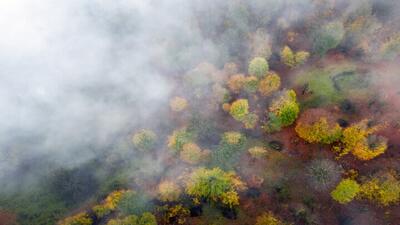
[215, 185]
[345, 191]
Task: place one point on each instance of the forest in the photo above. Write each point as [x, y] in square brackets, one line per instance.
[261, 113]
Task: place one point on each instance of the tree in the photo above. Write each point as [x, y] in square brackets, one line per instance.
[178, 104]
[168, 191]
[179, 138]
[383, 189]
[391, 48]
[285, 108]
[239, 109]
[292, 59]
[360, 141]
[236, 82]
[323, 174]
[78, 219]
[251, 84]
[328, 36]
[317, 126]
[146, 219]
[345, 191]
[268, 219]
[109, 204]
[191, 153]
[258, 67]
[215, 185]
[176, 214]
[269, 84]
[144, 140]
[250, 120]
[135, 203]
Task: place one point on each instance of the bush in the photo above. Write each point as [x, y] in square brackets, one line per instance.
[358, 140]
[236, 82]
[317, 126]
[79, 219]
[269, 84]
[328, 37]
[258, 67]
[178, 104]
[192, 154]
[239, 109]
[285, 108]
[345, 191]
[144, 140]
[323, 174]
[215, 185]
[178, 139]
[268, 219]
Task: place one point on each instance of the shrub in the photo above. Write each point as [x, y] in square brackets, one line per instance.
[285, 108]
[168, 191]
[178, 104]
[236, 82]
[258, 152]
[215, 185]
[328, 37]
[269, 84]
[258, 67]
[268, 219]
[144, 139]
[251, 84]
[323, 174]
[317, 126]
[192, 154]
[239, 109]
[384, 190]
[78, 219]
[178, 139]
[345, 191]
[358, 140]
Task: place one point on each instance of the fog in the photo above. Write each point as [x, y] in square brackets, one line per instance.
[77, 74]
